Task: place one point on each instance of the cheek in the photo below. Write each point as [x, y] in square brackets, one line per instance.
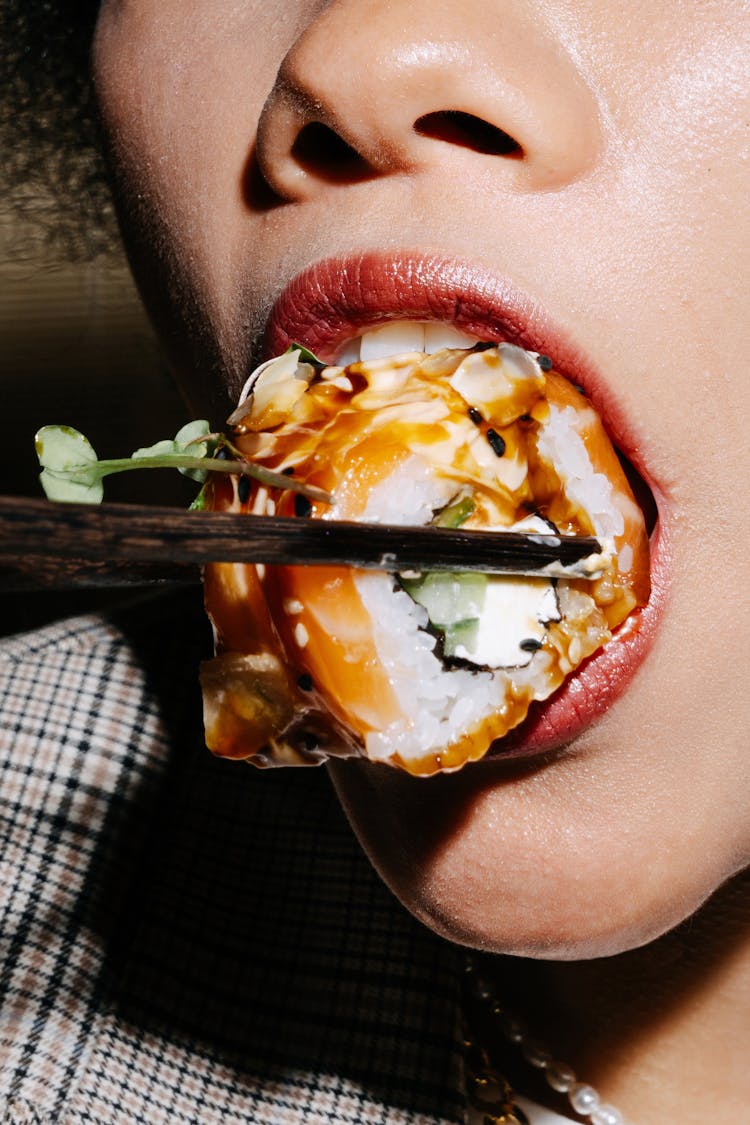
[179, 104]
[181, 85]
[178, 154]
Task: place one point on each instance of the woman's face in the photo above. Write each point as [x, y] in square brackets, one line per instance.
[589, 192]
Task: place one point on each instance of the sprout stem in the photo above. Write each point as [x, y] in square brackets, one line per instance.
[209, 464]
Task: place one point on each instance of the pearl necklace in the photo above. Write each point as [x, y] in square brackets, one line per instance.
[490, 1092]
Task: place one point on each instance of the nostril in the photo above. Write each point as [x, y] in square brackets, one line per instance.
[323, 153]
[459, 128]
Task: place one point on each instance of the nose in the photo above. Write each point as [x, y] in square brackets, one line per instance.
[377, 87]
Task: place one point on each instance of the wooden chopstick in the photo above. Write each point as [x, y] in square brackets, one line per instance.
[60, 545]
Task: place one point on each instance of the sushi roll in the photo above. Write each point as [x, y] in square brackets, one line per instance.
[423, 671]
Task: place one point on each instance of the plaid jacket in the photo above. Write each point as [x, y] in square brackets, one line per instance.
[185, 940]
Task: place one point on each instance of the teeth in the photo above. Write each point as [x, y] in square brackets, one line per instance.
[437, 336]
[399, 336]
[349, 353]
[403, 336]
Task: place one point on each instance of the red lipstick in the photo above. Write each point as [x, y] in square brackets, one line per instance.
[339, 298]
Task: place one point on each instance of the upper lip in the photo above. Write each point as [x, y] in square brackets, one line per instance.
[337, 298]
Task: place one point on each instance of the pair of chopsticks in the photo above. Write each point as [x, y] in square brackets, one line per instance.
[47, 545]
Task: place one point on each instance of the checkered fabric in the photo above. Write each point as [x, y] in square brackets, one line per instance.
[186, 940]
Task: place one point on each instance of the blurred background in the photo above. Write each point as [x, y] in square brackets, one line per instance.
[77, 349]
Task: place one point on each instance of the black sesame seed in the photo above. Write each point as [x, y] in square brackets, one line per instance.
[530, 645]
[525, 418]
[545, 362]
[580, 389]
[497, 442]
[475, 416]
[302, 506]
[288, 471]
[243, 489]
[305, 682]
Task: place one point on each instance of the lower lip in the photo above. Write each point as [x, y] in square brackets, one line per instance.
[592, 689]
[431, 295]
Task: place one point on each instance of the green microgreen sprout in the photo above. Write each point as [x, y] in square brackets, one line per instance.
[72, 472]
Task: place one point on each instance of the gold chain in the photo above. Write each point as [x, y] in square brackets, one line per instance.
[488, 1090]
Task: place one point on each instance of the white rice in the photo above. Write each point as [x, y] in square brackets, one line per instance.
[440, 704]
[560, 442]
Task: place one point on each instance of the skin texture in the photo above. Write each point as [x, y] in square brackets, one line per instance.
[621, 212]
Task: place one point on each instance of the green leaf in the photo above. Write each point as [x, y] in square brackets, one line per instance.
[305, 355]
[186, 441]
[191, 433]
[61, 448]
[200, 503]
[69, 465]
[72, 488]
[164, 448]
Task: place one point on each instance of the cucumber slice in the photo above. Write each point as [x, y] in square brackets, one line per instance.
[463, 634]
[449, 598]
[493, 621]
[456, 513]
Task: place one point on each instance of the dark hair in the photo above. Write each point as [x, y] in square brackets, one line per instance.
[53, 170]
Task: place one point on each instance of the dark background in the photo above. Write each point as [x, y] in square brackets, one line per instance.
[76, 349]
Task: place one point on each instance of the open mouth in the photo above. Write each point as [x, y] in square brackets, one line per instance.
[417, 419]
[379, 304]
[386, 303]
[376, 305]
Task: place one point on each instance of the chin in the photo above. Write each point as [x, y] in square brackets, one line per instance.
[514, 883]
[538, 924]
